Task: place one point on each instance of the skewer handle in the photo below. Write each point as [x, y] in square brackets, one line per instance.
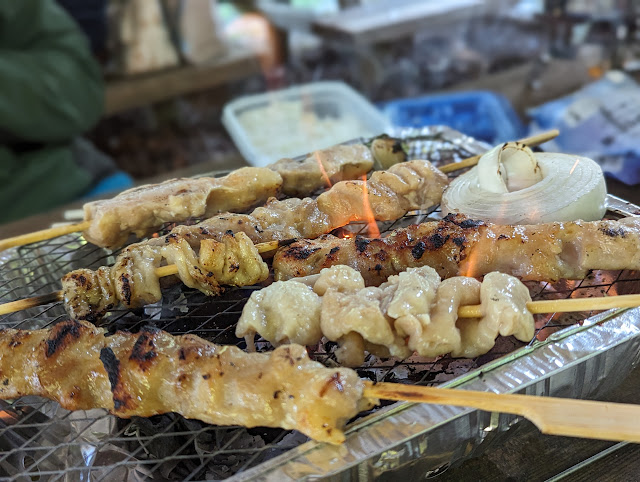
[42, 235]
[528, 141]
[23, 304]
[564, 306]
[553, 416]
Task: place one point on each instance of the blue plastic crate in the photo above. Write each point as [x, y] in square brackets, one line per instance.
[483, 115]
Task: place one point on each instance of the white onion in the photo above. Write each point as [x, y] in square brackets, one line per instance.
[571, 188]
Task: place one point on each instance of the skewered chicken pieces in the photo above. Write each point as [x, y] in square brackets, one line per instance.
[461, 246]
[411, 312]
[133, 281]
[143, 209]
[152, 372]
[391, 194]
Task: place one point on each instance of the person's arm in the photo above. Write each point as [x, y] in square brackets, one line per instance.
[51, 88]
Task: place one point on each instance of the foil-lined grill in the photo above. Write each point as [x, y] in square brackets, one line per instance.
[39, 439]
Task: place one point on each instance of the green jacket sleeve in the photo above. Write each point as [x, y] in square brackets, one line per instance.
[51, 88]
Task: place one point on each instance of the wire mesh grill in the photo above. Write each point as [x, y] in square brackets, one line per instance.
[38, 439]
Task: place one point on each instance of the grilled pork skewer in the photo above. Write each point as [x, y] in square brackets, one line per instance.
[152, 372]
[460, 246]
[411, 312]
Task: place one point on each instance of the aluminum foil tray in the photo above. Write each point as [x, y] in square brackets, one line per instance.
[576, 355]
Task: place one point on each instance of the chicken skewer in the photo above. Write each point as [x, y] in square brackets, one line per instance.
[461, 246]
[112, 228]
[88, 289]
[413, 312]
[152, 372]
[141, 210]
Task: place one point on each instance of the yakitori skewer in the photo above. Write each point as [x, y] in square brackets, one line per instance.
[82, 226]
[413, 313]
[19, 305]
[153, 372]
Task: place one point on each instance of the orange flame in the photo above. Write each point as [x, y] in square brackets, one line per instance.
[372, 226]
[574, 166]
[7, 416]
[316, 154]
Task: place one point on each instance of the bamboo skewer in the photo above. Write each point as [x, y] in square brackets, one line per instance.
[553, 416]
[532, 141]
[470, 311]
[26, 303]
[564, 306]
[42, 235]
[49, 233]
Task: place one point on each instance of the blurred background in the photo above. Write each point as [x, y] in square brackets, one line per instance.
[193, 86]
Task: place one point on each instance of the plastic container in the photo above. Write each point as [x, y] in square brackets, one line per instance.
[291, 122]
[483, 115]
[287, 16]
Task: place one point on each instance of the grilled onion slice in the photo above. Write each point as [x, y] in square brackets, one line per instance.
[513, 185]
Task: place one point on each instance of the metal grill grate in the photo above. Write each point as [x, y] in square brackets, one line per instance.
[40, 440]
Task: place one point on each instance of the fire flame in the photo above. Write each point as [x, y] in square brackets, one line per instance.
[317, 155]
[574, 166]
[372, 226]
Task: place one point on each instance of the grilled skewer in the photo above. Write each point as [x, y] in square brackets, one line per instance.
[116, 227]
[94, 295]
[152, 372]
[461, 246]
[141, 210]
[413, 312]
